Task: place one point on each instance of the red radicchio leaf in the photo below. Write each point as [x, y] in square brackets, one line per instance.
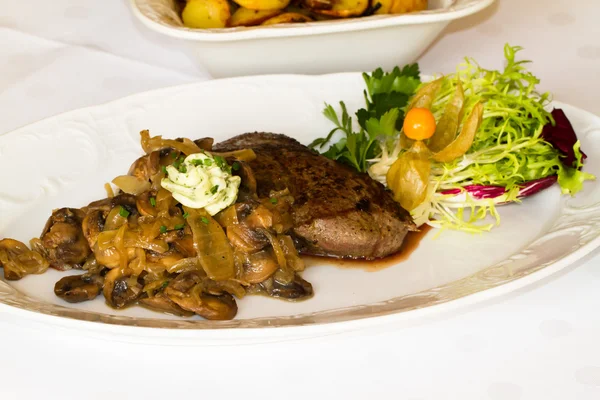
[562, 137]
[529, 188]
[532, 187]
[485, 192]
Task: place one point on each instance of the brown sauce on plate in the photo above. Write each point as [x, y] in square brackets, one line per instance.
[411, 243]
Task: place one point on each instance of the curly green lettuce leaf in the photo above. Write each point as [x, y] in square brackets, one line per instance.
[571, 179]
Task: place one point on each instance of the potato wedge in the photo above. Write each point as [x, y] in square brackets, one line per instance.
[386, 6]
[287, 18]
[338, 8]
[246, 17]
[206, 14]
[407, 6]
[263, 4]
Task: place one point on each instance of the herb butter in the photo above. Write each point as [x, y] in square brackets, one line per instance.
[202, 181]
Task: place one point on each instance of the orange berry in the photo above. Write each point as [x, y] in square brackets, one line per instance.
[419, 124]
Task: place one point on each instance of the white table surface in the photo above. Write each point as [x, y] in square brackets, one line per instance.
[540, 344]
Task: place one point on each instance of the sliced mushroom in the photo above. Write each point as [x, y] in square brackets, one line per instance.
[258, 266]
[261, 217]
[166, 259]
[92, 225]
[18, 261]
[121, 288]
[127, 201]
[188, 291]
[205, 143]
[160, 302]
[145, 206]
[247, 190]
[93, 267]
[147, 166]
[297, 289]
[63, 239]
[79, 288]
[246, 239]
[222, 307]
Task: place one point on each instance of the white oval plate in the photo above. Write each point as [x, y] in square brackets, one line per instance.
[65, 161]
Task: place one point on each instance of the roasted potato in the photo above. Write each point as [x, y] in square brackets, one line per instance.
[287, 18]
[385, 6]
[236, 13]
[406, 6]
[263, 4]
[206, 13]
[338, 8]
[246, 17]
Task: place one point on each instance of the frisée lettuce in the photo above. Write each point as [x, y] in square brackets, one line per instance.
[520, 147]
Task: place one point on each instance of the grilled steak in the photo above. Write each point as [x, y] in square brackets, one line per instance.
[338, 212]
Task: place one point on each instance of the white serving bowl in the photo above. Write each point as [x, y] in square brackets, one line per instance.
[345, 45]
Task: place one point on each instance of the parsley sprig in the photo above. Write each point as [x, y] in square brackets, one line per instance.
[386, 96]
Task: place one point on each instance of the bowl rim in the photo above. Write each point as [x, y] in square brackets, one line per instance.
[459, 9]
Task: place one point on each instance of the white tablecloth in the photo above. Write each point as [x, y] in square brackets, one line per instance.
[540, 344]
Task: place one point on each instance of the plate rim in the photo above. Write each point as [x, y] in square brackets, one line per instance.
[471, 298]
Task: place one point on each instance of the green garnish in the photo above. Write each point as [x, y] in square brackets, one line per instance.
[214, 189]
[164, 169]
[179, 165]
[204, 220]
[236, 166]
[179, 226]
[273, 200]
[185, 215]
[164, 284]
[123, 212]
[386, 96]
[153, 201]
[173, 154]
[163, 229]
[220, 161]
[208, 162]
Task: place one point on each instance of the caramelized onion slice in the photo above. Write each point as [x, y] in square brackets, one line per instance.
[131, 184]
[185, 265]
[18, 261]
[131, 239]
[242, 155]
[211, 244]
[150, 144]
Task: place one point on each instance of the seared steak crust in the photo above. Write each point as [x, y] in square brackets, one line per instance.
[338, 212]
